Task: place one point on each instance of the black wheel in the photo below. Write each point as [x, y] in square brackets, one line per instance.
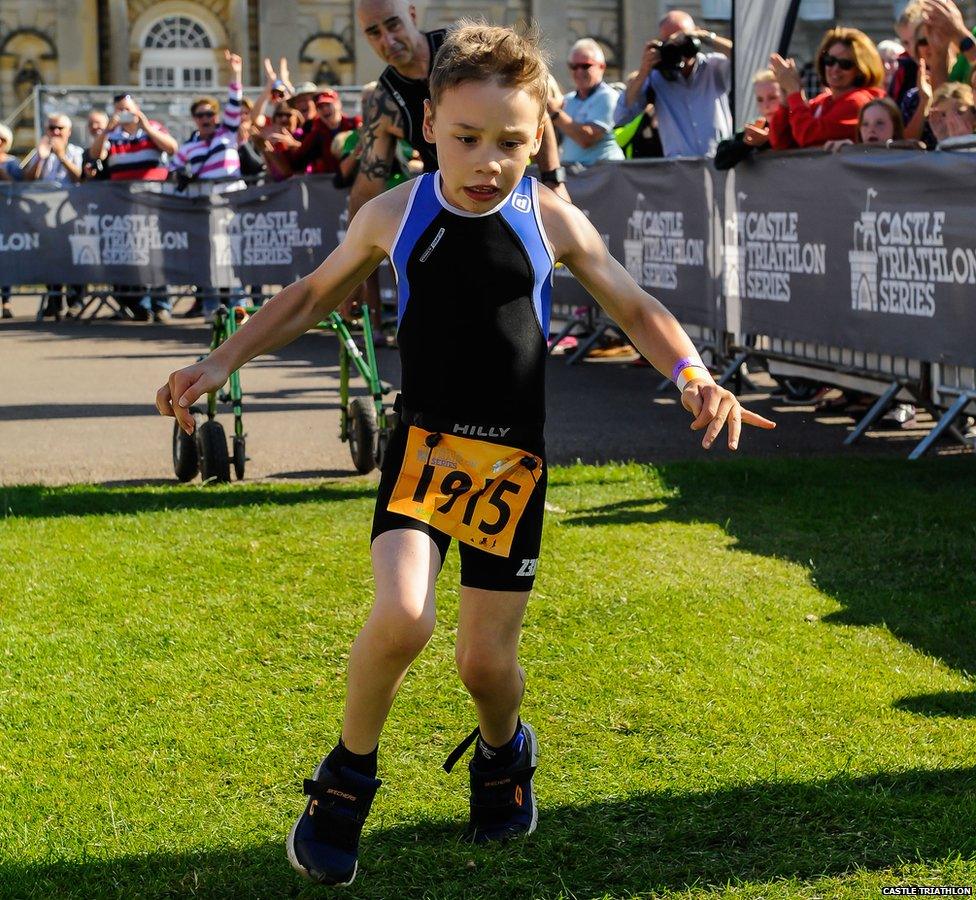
[240, 458]
[186, 462]
[382, 442]
[362, 434]
[212, 450]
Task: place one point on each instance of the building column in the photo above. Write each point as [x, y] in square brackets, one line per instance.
[77, 48]
[638, 26]
[118, 42]
[238, 36]
[279, 33]
[551, 18]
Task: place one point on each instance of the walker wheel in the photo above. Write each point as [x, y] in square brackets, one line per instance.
[212, 450]
[362, 434]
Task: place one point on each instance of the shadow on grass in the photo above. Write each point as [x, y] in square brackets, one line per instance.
[655, 841]
[41, 502]
[892, 541]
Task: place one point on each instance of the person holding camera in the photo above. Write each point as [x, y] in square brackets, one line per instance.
[688, 86]
[132, 144]
[133, 148]
[585, 116]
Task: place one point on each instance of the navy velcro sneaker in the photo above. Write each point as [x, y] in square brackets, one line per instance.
[502, 801]
[324, 843]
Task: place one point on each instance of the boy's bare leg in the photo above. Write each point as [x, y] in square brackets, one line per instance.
[489, 626]
[405, 567]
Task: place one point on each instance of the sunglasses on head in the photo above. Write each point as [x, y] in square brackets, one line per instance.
[845, 64]
[585, 67]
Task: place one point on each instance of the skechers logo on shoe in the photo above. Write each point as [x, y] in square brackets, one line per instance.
[498, 783]
[350, 797]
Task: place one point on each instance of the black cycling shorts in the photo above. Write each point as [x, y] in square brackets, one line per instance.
[479, 569]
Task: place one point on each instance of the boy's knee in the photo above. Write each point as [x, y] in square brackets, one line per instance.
[404, 635]
[481, 672]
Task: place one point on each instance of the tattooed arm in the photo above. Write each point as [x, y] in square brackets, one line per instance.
[382, 127]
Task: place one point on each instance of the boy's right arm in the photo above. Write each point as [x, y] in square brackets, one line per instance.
[292, 312]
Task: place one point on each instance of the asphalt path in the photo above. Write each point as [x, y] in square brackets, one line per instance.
[77, 405]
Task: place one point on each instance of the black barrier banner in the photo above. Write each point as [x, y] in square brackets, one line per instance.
[100, 233]
[657, 218]
[276, 233]
[873, 250]
[144, 233]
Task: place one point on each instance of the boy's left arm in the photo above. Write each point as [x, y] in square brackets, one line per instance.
[652, 329]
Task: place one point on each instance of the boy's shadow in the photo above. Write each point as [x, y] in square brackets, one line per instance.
[755, 833]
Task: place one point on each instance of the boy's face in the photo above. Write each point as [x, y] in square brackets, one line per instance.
[485, 134]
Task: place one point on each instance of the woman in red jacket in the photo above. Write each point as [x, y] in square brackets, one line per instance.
[849, 65]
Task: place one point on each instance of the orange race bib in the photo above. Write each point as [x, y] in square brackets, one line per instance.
[469, 489]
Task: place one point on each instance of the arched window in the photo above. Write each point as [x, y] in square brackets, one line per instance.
[177, 33]
[178, 53]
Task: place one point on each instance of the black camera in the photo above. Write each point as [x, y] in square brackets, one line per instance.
[675, 51]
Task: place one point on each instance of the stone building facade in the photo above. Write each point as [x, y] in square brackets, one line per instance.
[179, 44]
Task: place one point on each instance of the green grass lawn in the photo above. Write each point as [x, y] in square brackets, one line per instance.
[749, 679]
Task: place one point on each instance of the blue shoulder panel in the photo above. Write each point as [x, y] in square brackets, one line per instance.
[421, 209]
[523, 214]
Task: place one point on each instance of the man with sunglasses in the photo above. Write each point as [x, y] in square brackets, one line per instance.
[211, 153]
[55, 158]
[585, 116]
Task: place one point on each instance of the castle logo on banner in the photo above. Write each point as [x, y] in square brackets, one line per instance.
[764, 253]
[120, 240]
[262, 238]
[899, 259]
[656, 247]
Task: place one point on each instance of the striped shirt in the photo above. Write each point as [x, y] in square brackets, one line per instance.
[134, 156]
[218, 156]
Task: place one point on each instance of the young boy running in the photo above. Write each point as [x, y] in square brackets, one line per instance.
[473, 247]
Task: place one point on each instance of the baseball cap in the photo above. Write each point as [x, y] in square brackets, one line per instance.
[279, 85]
[326, 96]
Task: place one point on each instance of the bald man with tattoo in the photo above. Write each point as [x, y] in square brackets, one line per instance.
[396, 110]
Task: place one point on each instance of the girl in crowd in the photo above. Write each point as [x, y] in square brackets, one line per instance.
[849, 65]
[878, 123]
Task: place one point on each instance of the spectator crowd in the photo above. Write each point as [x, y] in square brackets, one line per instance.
[913, 90]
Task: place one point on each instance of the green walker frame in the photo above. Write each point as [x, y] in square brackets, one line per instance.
[364, 422]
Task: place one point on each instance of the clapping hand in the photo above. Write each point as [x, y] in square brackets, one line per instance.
[786, 74]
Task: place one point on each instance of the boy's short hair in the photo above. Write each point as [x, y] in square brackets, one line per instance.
[476, 51]
[764, 75]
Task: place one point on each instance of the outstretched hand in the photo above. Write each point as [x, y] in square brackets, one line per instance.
[236, 64]
[187, 386]
[713, 407]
